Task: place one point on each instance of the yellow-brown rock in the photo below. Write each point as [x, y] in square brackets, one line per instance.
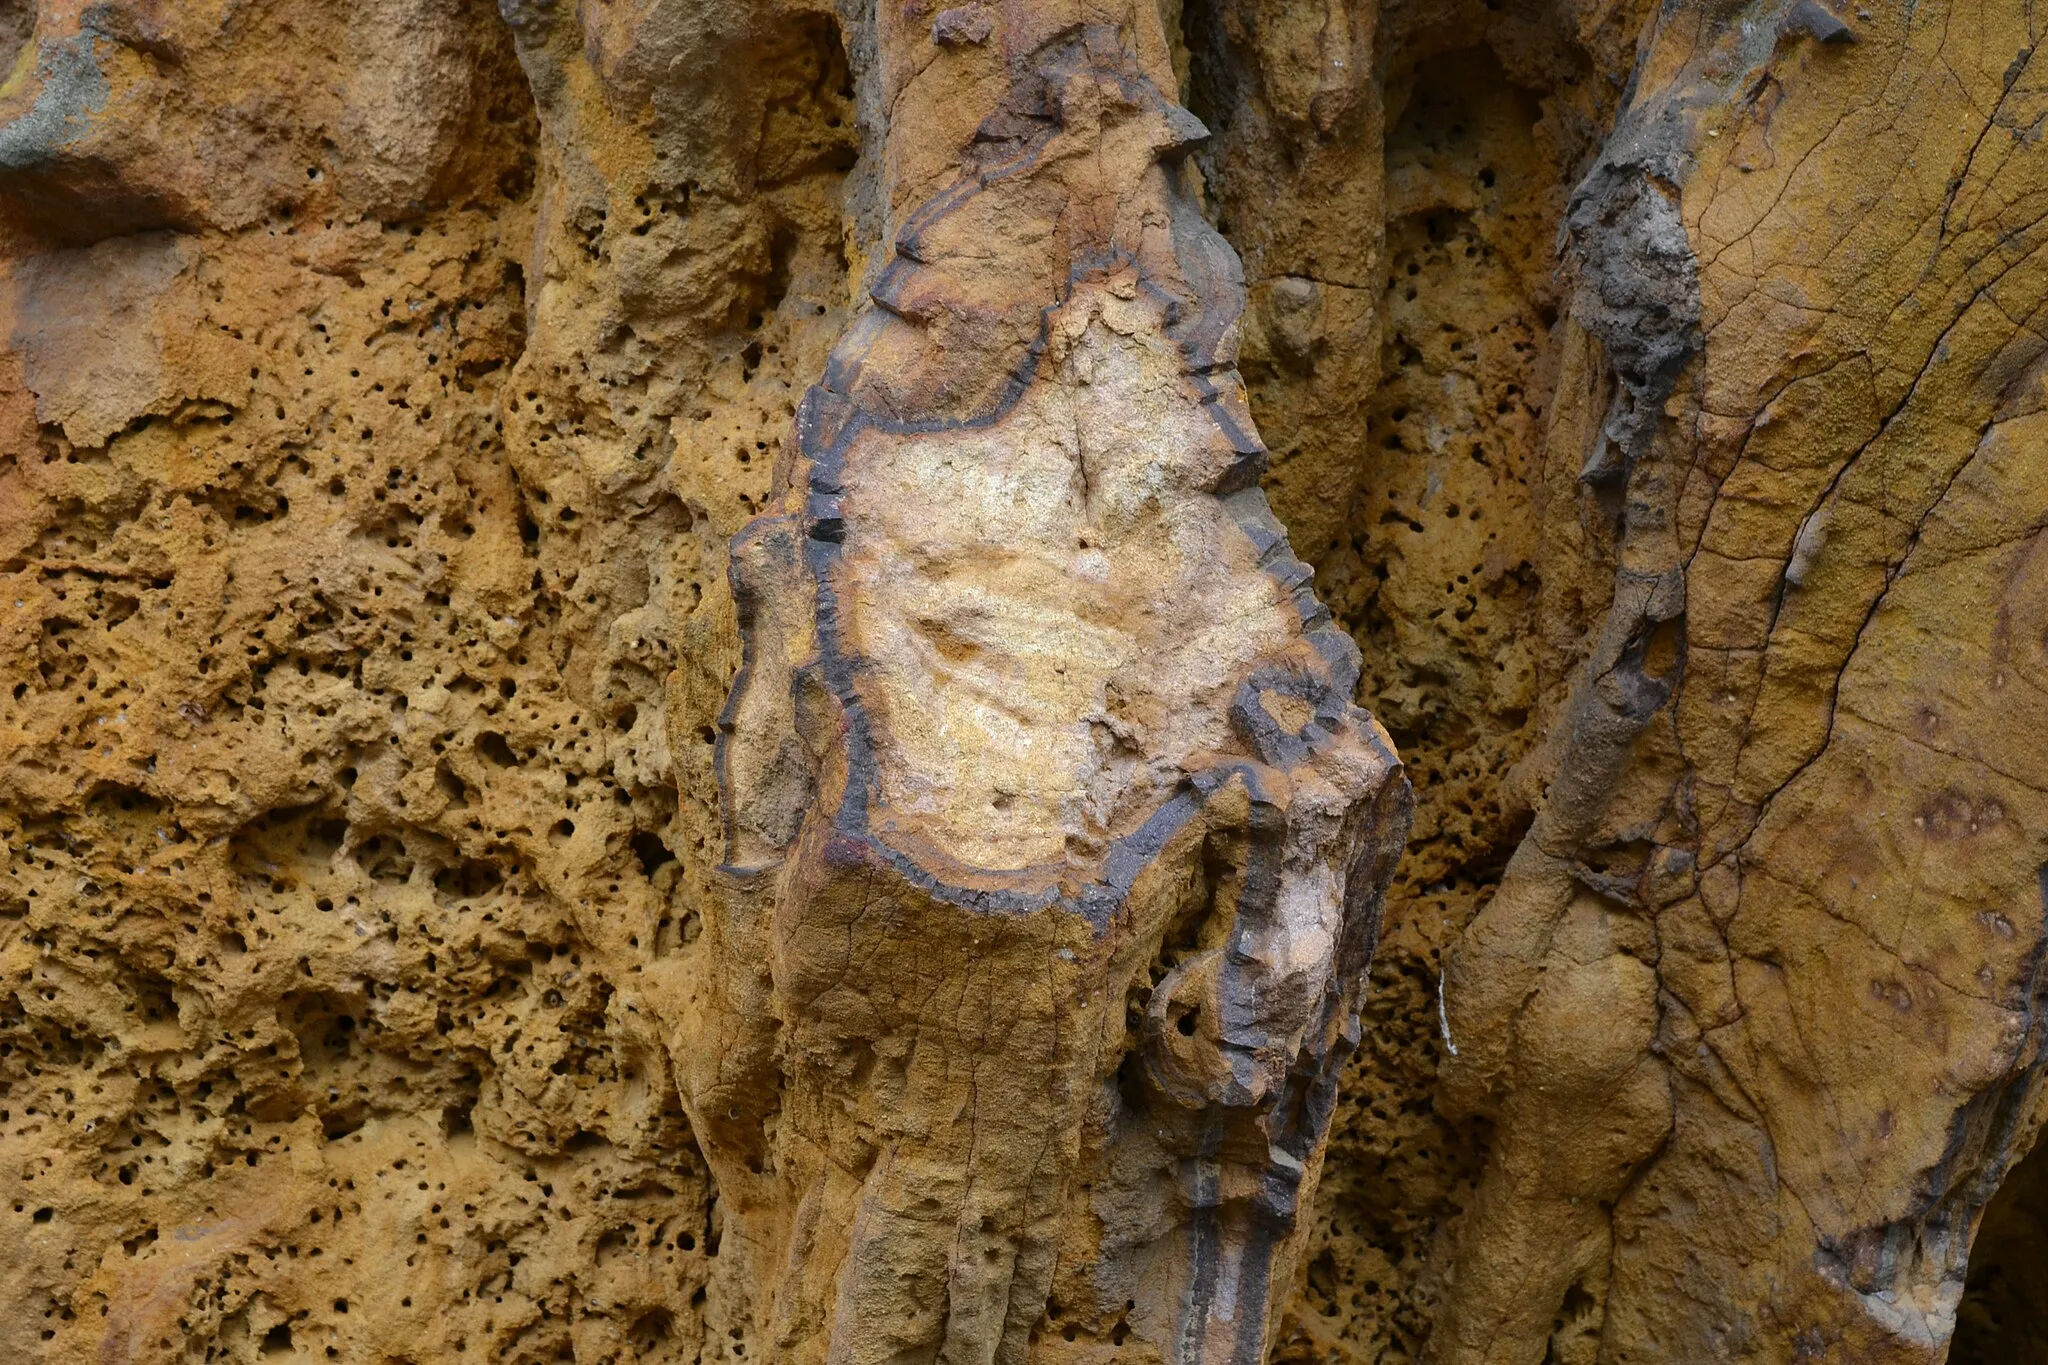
[1057, 849]
[652, 712]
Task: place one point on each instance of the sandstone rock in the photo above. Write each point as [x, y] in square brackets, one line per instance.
[651, 710]
[1051, 820]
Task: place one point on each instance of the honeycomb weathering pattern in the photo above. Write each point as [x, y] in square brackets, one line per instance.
[382, 383]
[1056, 844]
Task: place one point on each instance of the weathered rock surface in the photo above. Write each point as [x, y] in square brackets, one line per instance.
[445, 446]
[1057, 848]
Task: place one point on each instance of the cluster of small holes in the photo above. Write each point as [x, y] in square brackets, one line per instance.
[1108, 1324]
[1437, 584]
[285, 910]
[356, 830]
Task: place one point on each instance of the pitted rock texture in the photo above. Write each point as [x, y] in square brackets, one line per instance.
[1653, 388]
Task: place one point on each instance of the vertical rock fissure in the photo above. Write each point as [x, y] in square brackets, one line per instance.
[2002, 1316]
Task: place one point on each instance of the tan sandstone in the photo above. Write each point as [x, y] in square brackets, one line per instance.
[652, 710]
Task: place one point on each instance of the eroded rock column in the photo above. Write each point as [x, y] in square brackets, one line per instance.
[1055, 843]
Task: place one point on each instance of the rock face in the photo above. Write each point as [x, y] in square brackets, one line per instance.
[652, 710]
[1057, 849]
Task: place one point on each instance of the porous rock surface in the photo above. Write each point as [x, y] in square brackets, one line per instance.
[651, 712]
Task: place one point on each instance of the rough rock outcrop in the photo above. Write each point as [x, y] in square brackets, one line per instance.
[1056, 846]
[1654, 389]
[1771, 948]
